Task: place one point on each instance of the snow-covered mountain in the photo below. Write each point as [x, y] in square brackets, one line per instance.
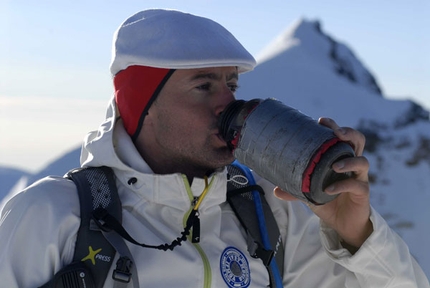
[309, 70]
[8, 178]
[13, 181]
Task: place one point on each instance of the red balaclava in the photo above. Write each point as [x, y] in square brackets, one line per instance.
[136, 87]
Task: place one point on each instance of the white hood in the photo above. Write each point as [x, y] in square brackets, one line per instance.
[99, 146]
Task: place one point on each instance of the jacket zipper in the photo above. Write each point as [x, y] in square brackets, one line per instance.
[206, 265]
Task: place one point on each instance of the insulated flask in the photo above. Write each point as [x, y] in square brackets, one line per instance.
[284, 146]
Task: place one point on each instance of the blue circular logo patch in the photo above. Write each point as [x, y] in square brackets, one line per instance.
[235, 268]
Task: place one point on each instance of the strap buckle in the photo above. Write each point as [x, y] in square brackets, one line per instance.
[256, 250]
[265, 255]
[122, 272]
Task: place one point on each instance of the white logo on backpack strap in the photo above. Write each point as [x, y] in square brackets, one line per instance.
[235, 268]
[103, 257]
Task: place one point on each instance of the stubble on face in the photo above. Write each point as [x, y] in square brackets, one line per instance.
[183, 145]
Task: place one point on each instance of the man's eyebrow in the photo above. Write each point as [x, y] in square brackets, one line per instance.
[233, 76]
[215, 76]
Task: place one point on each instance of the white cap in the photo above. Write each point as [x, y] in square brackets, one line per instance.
[176, 40]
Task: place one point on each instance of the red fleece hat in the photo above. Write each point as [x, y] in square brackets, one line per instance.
[136, 87]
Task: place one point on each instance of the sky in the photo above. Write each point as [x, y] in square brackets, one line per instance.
[55, 55]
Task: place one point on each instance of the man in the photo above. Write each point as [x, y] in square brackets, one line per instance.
[174, 73]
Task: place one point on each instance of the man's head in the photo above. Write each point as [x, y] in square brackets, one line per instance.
[153, 52]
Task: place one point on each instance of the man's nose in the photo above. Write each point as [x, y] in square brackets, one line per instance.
[226, 97]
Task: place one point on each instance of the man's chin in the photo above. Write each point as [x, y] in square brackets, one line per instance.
[224, 157]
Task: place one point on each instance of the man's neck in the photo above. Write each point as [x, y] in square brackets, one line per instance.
[189, 171]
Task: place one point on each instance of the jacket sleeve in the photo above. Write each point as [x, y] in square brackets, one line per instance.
[314, 256]
[382, 261]
[38, 232]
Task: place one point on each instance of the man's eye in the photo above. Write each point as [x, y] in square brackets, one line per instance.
[233, 87]
[205, 87]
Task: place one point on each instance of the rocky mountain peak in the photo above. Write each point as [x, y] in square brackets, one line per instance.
[328, 52]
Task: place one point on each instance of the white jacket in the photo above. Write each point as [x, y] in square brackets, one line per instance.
[38, 231]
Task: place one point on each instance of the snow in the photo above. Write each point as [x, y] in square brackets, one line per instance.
[8, 178]
[310, 71]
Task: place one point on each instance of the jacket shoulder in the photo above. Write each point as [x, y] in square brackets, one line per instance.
[52, 191]
[38, 231]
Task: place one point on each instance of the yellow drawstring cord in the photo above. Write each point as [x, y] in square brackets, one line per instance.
[205, 191]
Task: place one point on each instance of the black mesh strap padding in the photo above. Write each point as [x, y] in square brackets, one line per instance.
[241, 199]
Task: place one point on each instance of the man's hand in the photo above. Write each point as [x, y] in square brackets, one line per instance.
[349, 213]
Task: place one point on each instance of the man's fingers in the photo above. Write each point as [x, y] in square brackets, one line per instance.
[354, 137]
[358, 183]
[355, 164]
[354, 186]
[284, 195]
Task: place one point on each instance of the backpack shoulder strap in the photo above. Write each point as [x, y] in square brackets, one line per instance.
[93, 254]
[97, 189]
[248, 202]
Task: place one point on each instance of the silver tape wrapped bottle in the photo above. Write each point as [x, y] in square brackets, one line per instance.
[284, 146]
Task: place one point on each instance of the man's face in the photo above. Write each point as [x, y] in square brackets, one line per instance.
[180, 132]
